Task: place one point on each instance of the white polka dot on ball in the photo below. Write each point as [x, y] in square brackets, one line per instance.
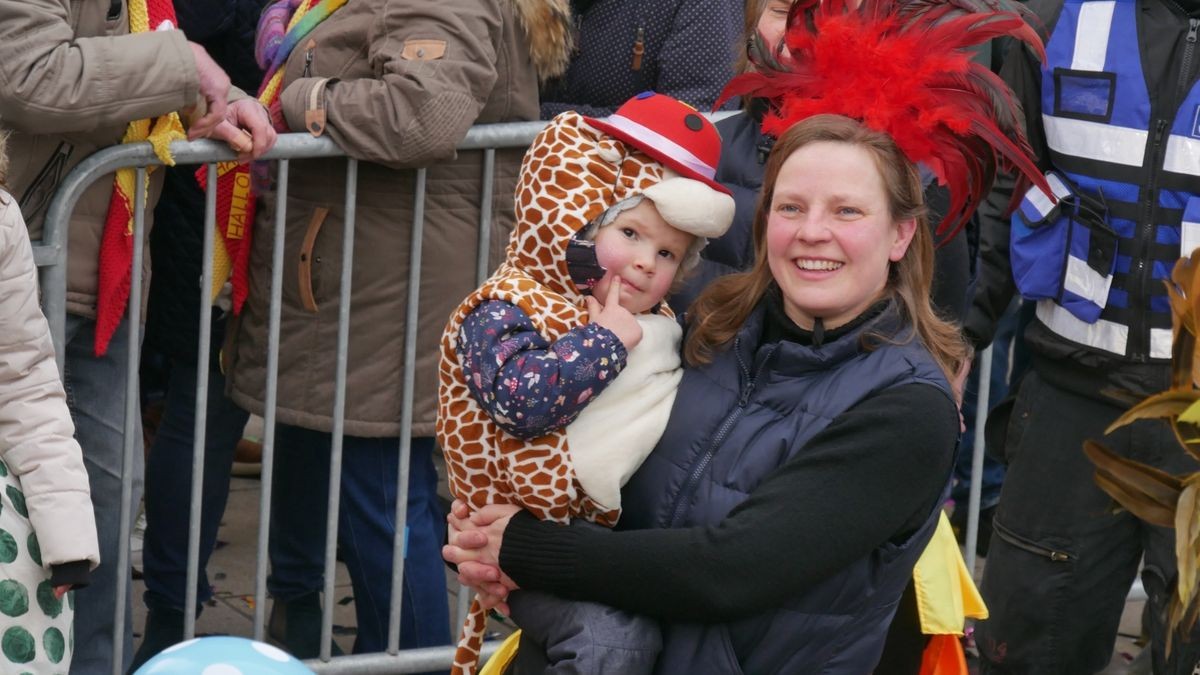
[179, 646]
[271, 652]
[221, 669]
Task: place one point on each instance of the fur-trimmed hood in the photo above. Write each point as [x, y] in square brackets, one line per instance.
[547, 24]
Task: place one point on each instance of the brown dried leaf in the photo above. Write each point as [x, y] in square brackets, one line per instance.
[1184, 365]
[1188, 435]
[1166, 405]
[1148, 493]
[1140, 506]
[1187, 538]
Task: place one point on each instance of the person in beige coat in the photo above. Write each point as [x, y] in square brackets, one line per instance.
[398, 83]
[47, 530]
[72, 77]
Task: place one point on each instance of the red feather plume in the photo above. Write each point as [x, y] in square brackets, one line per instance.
[903, 67]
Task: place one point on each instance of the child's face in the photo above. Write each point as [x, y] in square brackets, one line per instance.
[642, 249]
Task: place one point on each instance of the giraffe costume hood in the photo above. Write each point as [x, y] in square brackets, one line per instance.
[575, 169]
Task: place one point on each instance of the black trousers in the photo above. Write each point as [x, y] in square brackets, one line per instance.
[1062, 558]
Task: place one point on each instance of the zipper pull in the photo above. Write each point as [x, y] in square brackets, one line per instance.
[746, 392]
[308, 57]
[1193, 27]
[639, 48]
[1159, 129]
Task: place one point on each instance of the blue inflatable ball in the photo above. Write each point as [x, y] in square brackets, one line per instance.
[223, 656]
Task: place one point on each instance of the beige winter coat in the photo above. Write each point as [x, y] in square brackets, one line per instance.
[66, 96]
[412, 77]
[37, 438]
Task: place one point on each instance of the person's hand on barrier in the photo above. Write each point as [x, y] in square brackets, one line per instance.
[214, 90]
[247, 129]
[614, 317]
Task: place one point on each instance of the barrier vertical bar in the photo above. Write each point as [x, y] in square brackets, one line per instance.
[410, 365]
[268, 447]
[132, 419]
[339, 407]
[53, 283]
[200, 428]
[981, 413]
[482, 268]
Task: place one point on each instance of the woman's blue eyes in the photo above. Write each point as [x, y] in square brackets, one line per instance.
[841, 210]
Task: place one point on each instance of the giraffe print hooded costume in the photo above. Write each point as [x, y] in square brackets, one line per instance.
[571, 174]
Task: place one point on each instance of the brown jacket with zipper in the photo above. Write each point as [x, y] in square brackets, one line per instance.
[71, 79]
[406, 80]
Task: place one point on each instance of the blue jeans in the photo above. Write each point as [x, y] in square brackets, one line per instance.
[366, 527]
[169, 484]
[95, 389]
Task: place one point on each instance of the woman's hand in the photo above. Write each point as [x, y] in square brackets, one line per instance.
[474, 546]
[60, 591]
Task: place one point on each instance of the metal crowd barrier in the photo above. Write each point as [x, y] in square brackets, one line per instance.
[50, 254]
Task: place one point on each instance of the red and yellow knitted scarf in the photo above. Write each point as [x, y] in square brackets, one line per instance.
[116, 247]
[236, 199]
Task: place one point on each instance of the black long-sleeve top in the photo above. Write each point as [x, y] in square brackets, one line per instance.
[865, 479]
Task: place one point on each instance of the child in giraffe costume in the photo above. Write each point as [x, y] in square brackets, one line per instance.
[558, 374]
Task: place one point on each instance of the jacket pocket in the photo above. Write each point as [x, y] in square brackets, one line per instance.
[1031, 546]
[116, 10]
[41, 189]
[307, 297]
[1084, 94]
[1012, 418]
[1064, 251]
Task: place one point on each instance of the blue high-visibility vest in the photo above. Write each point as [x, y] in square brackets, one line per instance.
[1128, 182]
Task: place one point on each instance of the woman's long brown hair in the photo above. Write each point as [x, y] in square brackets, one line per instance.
[721, 310]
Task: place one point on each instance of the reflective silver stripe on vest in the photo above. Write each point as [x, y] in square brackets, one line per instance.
[1038, 199]
[1189, 238]
[1183, 156]
[1096, 141]
[1086, 282]
[1160, 343]
[1091, 35]
[1106, 335]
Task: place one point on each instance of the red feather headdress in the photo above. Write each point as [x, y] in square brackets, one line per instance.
[903, 67]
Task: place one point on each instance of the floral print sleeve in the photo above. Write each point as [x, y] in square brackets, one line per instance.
[529, 385]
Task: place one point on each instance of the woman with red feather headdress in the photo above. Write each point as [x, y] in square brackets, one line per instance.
[807, 454]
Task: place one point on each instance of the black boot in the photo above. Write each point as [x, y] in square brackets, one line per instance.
[164, 627]
[296, 624]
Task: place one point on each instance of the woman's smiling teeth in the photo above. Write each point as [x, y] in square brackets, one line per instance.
[818, 265]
